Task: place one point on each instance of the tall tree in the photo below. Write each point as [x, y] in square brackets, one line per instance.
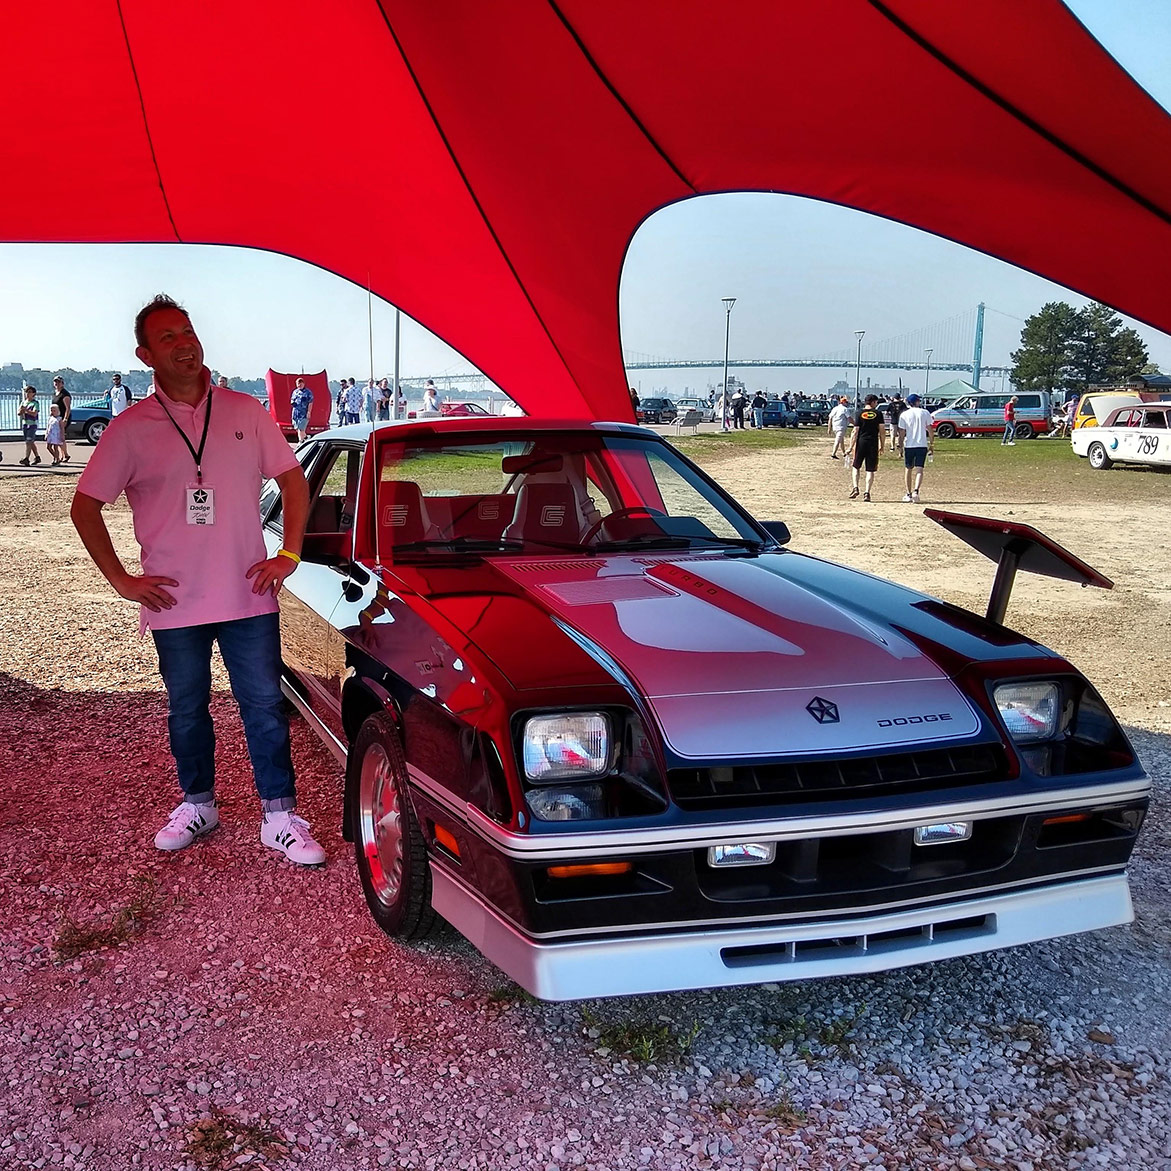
[1045, 358]
[1104, 353]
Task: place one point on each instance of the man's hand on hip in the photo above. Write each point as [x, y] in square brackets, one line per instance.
[147, 591]
[271, 574]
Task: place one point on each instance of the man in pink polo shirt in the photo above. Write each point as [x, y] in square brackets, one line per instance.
[191, 459]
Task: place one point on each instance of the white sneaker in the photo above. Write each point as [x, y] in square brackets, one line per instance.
[907, 498]
[186, 823]
[290, 834]
[1011, 443]
[914, 497]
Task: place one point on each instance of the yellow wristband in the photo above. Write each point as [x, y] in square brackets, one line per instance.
[291, 556]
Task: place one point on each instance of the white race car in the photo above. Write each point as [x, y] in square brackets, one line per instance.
[1131, 434]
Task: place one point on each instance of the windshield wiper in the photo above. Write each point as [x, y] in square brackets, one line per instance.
[667, 541]
[462, 544]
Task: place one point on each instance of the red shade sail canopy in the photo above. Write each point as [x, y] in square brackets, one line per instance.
[488, 163]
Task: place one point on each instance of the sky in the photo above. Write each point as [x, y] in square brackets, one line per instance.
[805, 275]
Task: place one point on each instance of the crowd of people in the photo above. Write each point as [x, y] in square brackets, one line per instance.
[911, 431]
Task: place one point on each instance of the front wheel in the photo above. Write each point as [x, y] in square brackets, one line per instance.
[94, 430]
[388, 845]
[1099, 460]
[946, 430]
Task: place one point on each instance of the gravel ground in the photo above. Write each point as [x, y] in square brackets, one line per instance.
[241, 1011]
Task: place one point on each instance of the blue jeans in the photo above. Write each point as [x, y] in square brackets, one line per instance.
[251, 649]
[1008, 430]
[758, 416]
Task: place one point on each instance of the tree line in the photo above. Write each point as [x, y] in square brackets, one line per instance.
[1063, 348]
[87, 384]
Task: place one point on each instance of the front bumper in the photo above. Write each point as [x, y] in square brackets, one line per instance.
[630, 964]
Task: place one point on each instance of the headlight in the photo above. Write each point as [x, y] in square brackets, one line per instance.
[1030, 711]
[574, 745]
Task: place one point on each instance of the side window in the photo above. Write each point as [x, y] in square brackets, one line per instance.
[270, 494]
[1156, 419]
[1087, 408]
[333, 491]
[992, 402]
[1029, 401]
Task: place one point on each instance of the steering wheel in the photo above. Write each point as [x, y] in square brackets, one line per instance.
[618, 514]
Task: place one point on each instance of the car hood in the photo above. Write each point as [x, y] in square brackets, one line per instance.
[736, 660]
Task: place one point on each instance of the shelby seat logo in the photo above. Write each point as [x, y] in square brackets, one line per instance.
[926, 718]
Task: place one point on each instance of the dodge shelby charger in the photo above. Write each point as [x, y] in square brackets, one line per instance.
[601, 720]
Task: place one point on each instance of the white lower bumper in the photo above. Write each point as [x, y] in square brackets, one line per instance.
[830, 947]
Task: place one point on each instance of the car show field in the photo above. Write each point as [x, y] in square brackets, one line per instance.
[143, 996]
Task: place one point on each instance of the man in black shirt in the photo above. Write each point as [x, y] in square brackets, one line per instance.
[868, 441]
[894, 408]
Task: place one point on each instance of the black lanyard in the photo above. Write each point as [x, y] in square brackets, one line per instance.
[195, 455]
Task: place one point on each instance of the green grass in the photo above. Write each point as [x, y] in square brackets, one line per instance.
[718, 444]
[643, 1041]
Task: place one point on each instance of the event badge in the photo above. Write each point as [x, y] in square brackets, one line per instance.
[200, 504]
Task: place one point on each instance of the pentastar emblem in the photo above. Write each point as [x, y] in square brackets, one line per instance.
[822, 710]
[200, 496]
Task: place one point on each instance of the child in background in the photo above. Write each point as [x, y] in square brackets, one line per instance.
[28, 413]
[55, 435]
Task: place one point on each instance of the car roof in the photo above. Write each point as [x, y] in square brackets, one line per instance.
[457, 424]
[1128, 407]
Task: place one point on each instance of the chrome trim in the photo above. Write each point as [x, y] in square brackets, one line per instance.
[603, 843]
[892, 906]
[637, 964]
[314, 720]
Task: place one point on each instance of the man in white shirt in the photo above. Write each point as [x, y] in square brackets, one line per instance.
[119, 396]
[839, 423]
[918, 430]
[430, 397]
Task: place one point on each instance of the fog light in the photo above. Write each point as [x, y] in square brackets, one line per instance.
[944, 831]
[742, 854]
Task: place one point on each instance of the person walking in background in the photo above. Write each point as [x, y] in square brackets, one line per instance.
[382, 403]
[1009, 423]
[430, 397]
[119, 396]
[894, 409]
[917, 429]
[400, 404]
[191, 460]
[634, 401]
[838, 425]
[64, 401]
[759, 402]
[222, 382]
[869, 441]
[301, 402]
[353, 402]
[53, 435]
[370, 400]
[29, 413]
[739, 402]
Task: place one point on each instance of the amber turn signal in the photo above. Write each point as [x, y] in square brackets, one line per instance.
[1066, 817]
[590, 869]
[446, 839]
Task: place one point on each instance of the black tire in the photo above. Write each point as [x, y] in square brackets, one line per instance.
[1099, 460]
[388, 844]
[945, 430]
[1024, 431]
[95, 429]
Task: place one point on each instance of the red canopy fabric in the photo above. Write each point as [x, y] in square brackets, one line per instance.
[488, 164]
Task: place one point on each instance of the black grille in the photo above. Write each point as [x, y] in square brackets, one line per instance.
[835, 780]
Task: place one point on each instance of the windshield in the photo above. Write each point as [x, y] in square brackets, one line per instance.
[536, 492]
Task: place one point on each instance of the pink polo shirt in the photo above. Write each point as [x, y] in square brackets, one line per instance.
[141, 454]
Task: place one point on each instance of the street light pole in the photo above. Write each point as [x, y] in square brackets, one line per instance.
[927, 376]
[859, 334]
[726, 399]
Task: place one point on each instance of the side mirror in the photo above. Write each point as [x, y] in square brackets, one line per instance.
[778, 530]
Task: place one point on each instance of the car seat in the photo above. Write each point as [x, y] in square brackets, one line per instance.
[402, 515]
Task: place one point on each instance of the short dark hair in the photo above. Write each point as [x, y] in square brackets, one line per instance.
[157, 302]
[871, 399]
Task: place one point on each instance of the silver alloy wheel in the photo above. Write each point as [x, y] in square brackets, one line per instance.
[380, 824]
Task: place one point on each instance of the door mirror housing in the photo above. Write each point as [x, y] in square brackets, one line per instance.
[778, 530]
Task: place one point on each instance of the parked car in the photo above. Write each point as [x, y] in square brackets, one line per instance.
[776, 414]
[1131, 434]
[812, 413]
[463, 410]
[602, 721]
[1094, 406]
[707, 413]
[983, 414]
[88, 421]
[656, 410]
